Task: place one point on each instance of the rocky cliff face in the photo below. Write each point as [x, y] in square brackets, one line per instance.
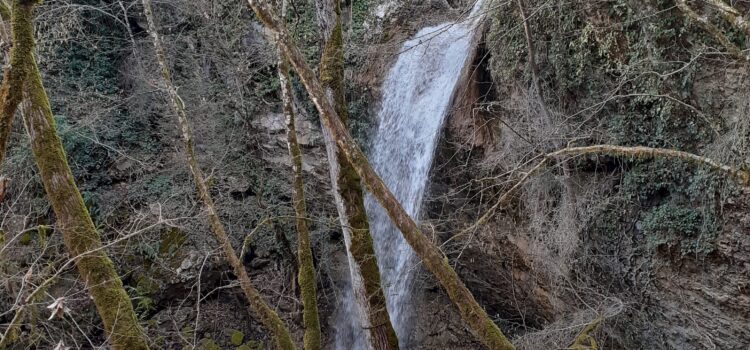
[657, 248]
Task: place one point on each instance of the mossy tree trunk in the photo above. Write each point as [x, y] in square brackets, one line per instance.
[22, 33]
[348, 192]
[306, 268]
[4, 10]
[306, 274]
[268, 317]
[471, 312]
[73, 220]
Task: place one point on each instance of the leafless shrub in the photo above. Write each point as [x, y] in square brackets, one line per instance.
[733, 146]
[556, 220]
[561, 333]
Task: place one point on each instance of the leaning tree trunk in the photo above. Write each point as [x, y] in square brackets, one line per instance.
[73, 220]
[4, 10]
[532, 61]
[347, 190]
[22, 35]
[472, 313]
[268, 317]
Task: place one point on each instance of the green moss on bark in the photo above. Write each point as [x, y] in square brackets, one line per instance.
[349, 190]
[4, 10]
[306, 273]
[11, 91]
[73, 219]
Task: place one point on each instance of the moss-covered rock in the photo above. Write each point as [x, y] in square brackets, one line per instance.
[208, 344]
[235, 337]
[171, 241]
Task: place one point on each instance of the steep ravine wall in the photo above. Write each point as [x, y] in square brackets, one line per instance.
[661, 248]
[657, 247]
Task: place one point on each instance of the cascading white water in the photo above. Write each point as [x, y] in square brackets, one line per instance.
[416, 97]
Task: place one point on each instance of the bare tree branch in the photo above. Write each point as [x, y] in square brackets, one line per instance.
[268, 317]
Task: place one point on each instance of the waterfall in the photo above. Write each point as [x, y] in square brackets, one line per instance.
[417, 95]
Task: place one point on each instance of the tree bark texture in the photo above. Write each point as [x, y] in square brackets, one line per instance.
[73, 220]
[11, 91]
